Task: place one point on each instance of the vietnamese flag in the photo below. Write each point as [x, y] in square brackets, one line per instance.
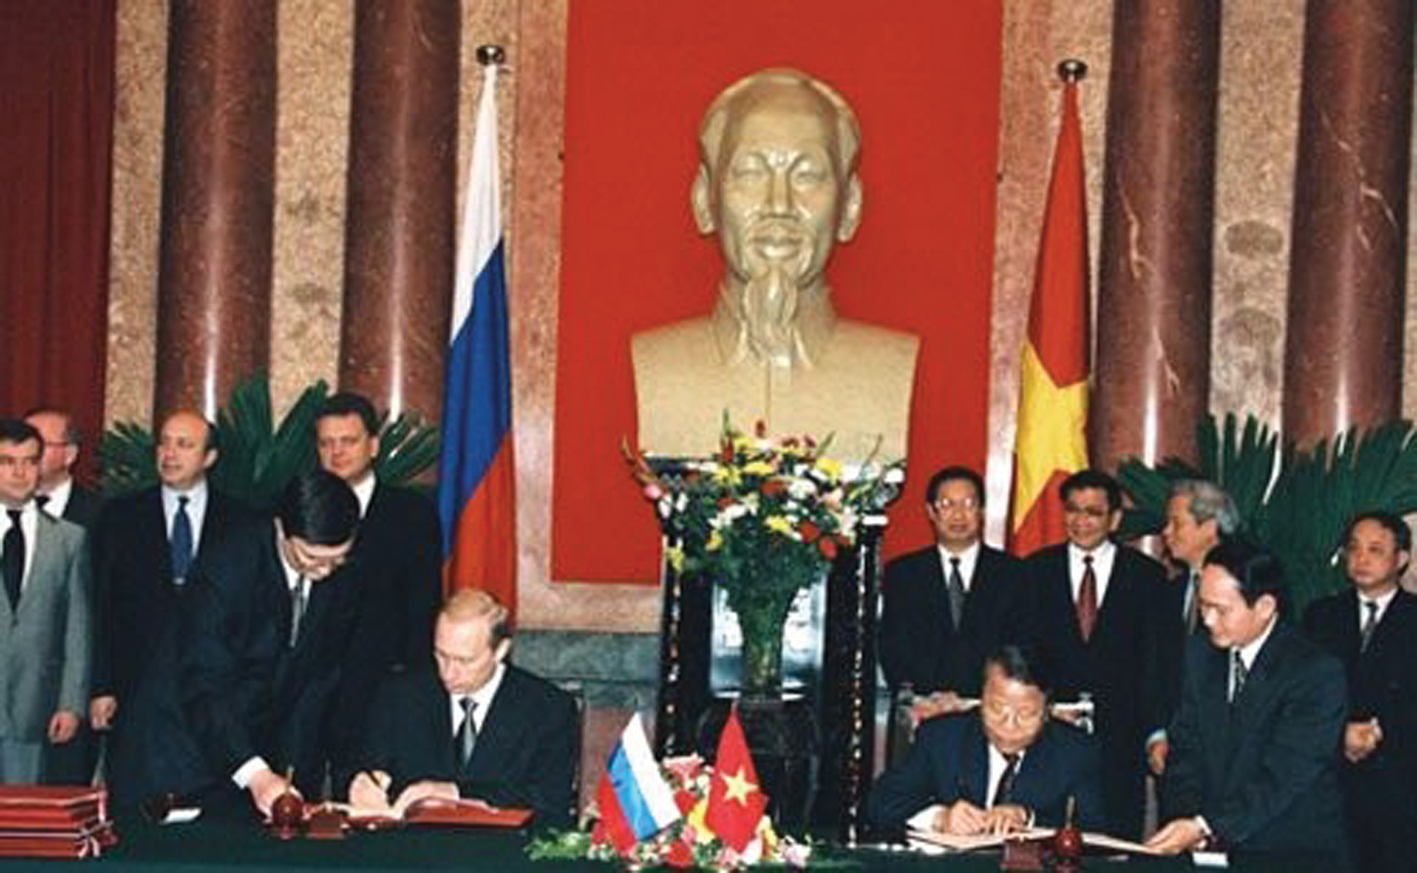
[736, 801]
[1052, 411]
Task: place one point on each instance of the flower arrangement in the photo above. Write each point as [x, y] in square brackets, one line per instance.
[687, 843]
[764, 518]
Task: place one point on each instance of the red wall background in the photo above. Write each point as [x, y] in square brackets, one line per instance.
[923, 78]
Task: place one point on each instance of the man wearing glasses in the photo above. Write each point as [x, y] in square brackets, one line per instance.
[949, 604]
[266, 626]
[1001, 769]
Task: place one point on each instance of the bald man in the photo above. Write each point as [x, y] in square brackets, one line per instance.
[146, 545]
[520, 748]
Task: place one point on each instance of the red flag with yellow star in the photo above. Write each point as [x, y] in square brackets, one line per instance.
[1052, 409]
[736, 800]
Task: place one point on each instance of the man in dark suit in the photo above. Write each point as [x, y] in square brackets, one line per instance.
[70, 763]
[1372, 629]
[1198, 515]
[59, 494]
[949, 604]
[396, 566]
[1096, 612]
[1255, 743]
[475, 726]
[145, 548]
[44, 614]
[999, 769]
[264, 630]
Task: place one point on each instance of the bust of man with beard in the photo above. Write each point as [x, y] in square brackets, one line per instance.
[777, 181]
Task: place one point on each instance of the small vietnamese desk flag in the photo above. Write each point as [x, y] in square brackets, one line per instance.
[736, 801]
[1052, 410]
[476, 475]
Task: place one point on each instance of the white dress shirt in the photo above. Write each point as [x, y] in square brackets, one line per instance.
[364, 493]
[968, 560]
[1382, 601]
[1103, 557]
[196, 510]
[57, 500]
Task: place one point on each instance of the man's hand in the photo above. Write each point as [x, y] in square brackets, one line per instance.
[101, 712]
[425, 789]
[1156, 756]
[961, 817]
[62, 726]
[1361, 738]
[265, 786]
[1179, 835]
[937, 704]
[371, 790]
[1006, 819]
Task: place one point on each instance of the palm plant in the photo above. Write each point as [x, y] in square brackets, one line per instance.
[259, 456]
[1295, 503]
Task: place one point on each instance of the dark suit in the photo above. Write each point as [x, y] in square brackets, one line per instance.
[1117, 665]
[1170, 647]
[83, 507]
[1264, 771]
[525, 755]
[950, 761]
[396, 566]
[919, 643]
[245, 690]
[151, 750]
[1380, 790]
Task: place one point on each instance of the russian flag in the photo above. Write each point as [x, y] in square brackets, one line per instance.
[476, 481]
[634, 800]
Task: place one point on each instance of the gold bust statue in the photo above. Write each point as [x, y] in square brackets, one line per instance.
[777, 182]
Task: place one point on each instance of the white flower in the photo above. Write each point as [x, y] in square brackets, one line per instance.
[665, 505]
[895, 476]
[681, 502]
[800, 488]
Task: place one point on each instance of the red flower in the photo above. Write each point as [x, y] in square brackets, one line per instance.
[761, 429]
[685, 800]
[810, 532]
[725, 502]
[827, 546]
[774, 487]
[680, 855]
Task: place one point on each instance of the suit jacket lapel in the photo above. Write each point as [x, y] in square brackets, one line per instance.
[45, 566]
[1388, 629]
[496, 732]
[974, 765]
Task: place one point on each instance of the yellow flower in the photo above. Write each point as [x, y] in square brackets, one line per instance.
[715, 542]
[675, 556]
[758, 468]
[702, 832]
[830, 468]
[727, 476]
[780, 524]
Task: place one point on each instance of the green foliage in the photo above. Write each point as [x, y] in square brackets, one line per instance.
[1294, 503]
[259, 456]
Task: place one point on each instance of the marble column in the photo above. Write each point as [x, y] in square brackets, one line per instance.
[1343, 360]
[214, 279]
[1152, 373]
[402, 181]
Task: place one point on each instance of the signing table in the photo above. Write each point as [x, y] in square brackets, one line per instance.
[209, 845]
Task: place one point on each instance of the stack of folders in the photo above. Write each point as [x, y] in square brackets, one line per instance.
[54, 821]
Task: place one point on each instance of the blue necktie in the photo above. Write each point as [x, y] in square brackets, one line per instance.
[181, 542]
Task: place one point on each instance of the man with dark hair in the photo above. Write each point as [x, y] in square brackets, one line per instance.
[1097, 606]
[949, 604]
[146, 547]
[1001, 768]
[1198, 515]
[59, 495]
[396, 565]
[1372, 629]
[44, 614]
[266, 626]
[474, 727]
[1254, 746]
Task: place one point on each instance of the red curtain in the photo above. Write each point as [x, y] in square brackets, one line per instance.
[56, 132]
[924, 80]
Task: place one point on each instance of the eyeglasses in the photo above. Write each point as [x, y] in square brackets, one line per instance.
[964, 504]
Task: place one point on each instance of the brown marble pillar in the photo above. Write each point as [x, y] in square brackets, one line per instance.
[1152, 374]
[1343, 360]
[402, 184]
[214, 280]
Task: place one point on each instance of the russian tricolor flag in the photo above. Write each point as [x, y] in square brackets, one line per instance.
[476, 482]
[634, 800]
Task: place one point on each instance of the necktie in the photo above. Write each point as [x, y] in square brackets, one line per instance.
[181, 542]
[1370, 624]
[1004, 793]
[12, 560]
[1192, 612]
[1238, 674]
[956, 586]
[1087, 599]
[467, 732]
[299, 598]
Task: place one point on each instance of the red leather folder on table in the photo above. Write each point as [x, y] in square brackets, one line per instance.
[446, 813]
[54, 821]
